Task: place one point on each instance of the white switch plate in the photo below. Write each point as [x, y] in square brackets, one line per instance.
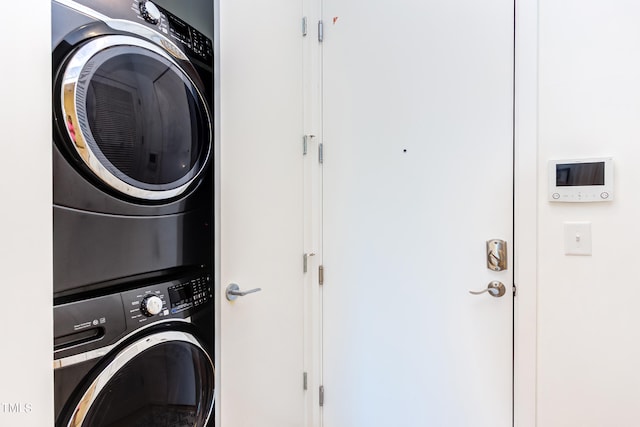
[577, 238]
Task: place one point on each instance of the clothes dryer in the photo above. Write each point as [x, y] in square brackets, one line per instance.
[132, 143]
[136, 358]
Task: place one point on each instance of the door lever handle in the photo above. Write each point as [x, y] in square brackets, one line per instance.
[495, 289]
[233, 292]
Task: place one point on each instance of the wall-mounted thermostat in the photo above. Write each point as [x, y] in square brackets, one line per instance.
[581, 180]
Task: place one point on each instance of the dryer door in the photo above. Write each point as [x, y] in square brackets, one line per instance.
[163, 379]
[134, 116]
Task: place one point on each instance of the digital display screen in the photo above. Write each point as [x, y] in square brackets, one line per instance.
[579, 174]
[179, 27]
[180, 294]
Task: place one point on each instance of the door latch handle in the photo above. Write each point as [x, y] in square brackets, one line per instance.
[233, 292]
[495, 289]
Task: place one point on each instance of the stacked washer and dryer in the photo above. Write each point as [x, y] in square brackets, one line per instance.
[133, 216]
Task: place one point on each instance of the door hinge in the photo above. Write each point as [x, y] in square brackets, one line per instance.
[304, 26]
[514, 290]
[305, 261]
[321, 275]
[304, 381]
[321, 395]
[320, 31]
[321, 153]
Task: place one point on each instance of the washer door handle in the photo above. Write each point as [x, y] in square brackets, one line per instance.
[233, 291]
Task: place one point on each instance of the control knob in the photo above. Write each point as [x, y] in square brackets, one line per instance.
[150, 12]
[151, 305]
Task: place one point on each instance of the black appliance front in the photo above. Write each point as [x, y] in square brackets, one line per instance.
[132, 92]
[137, 358]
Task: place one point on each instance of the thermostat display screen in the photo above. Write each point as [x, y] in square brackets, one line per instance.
[579, 174]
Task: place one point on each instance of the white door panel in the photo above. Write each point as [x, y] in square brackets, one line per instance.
[417, 176]
[261, 213]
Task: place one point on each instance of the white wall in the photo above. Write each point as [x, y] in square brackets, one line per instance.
[589, 307]
[26, 373]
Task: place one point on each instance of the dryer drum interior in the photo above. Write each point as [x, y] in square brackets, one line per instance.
[134, 116]
[164, 379]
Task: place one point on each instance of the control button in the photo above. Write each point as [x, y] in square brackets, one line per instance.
[555, 196]
[150, 12]
[151, 305]
[604, 195]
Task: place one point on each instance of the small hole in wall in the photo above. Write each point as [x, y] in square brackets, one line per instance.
[404, 151]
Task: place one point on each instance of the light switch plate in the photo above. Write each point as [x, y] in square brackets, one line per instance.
[577, 238]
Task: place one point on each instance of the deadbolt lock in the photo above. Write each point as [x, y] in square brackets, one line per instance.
[496, 255]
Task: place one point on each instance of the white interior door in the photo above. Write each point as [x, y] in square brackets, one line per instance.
[260, 355]
[417, 176]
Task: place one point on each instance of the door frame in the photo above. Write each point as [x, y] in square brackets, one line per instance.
[525, 246]
[218, 290]
[525, 212]
[525, 219]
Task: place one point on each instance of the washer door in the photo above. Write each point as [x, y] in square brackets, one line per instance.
[164, 379]
[134, 116]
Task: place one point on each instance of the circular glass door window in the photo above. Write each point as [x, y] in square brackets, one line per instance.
[135, 117]
[170, 384]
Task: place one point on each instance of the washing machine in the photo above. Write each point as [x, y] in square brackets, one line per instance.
[139, 357]
[132, 144]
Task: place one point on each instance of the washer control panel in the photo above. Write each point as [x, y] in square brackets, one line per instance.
[136, 304]
[151, 305]
[174, 299]
[96, 322]
[188, 295]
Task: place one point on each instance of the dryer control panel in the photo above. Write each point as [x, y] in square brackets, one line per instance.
[165, 22]
[151, 15]
[192, 41]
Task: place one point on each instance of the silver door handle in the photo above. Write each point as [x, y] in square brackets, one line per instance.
[233, 292]
[495, 289]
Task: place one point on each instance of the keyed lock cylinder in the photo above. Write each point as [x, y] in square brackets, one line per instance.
[496, 255]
